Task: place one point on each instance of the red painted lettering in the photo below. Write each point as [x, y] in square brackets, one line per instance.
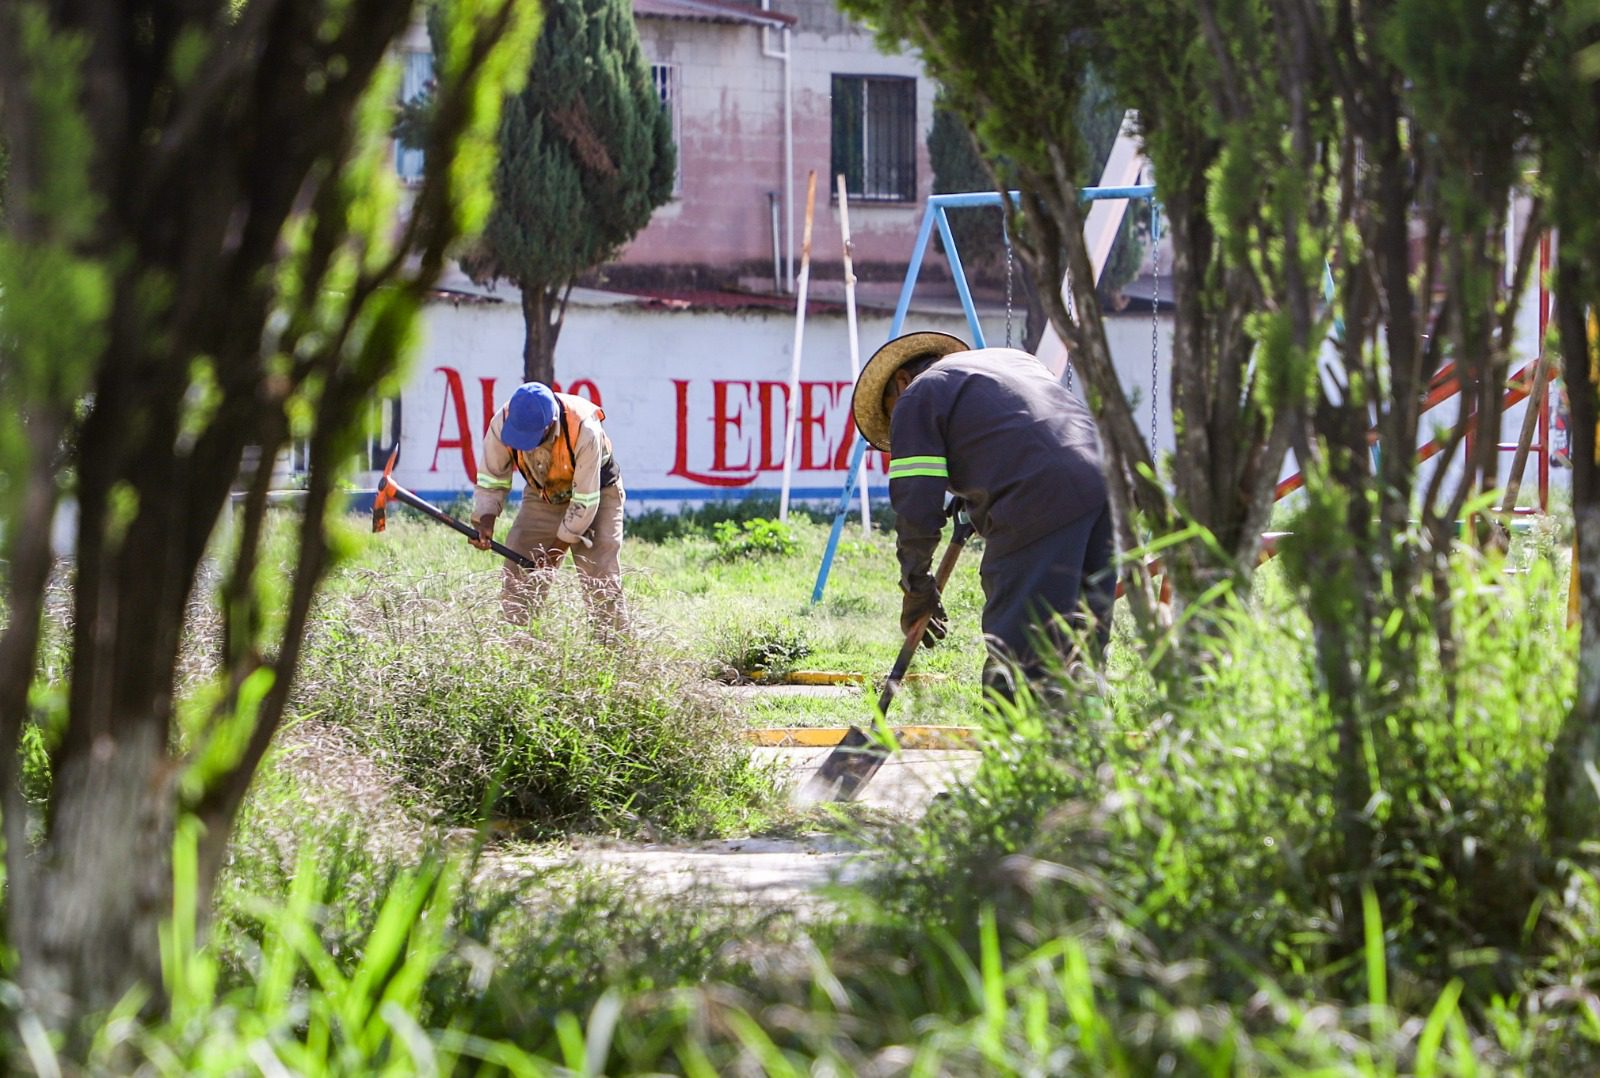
[814, 420]
[772, 414]
[585, 388]
[721, 421]
[847, 444]
[486, 387]
[680, 462]
[456, 397]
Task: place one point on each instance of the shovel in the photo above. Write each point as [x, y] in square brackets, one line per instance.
[857, 757]
[390, 491]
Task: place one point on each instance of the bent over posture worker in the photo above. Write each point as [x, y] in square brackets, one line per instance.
[996, 429]
[573, 498]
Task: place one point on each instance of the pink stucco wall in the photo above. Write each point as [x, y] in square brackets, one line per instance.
[730, 131]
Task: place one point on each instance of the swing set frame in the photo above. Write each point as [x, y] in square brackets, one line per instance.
[934, 216]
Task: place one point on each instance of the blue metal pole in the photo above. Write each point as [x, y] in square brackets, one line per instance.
[1085, 194]
[960, 277]
[857, 454]
[934, 214]
[970, 198]
[859, 451]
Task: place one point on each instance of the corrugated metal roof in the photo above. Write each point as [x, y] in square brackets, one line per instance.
[710, 11]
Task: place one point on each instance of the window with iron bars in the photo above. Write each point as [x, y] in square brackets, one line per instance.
[665, 78]
[875, 136]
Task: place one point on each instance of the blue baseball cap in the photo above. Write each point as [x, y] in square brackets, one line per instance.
[531, 411]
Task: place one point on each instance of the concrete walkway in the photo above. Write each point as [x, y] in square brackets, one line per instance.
[780, 874]
[777, 874]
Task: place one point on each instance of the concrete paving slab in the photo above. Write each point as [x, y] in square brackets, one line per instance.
[775, 873]
[907, 782]
[785, 874]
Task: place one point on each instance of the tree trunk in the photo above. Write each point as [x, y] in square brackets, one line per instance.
[1571, 797]
[543, 312]
[86, 944]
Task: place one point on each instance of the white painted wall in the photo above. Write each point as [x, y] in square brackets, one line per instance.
[694, 398]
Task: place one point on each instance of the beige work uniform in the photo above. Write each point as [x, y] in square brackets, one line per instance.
[593, 513]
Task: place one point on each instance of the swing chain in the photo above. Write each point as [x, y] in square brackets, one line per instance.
[1005, 233]
[1155, 320]
[1072, 313]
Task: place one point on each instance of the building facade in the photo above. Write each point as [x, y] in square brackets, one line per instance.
[761, 97]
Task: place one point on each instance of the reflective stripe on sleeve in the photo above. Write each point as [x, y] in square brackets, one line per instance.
[911, 467]
[586, 500]
[490, 483]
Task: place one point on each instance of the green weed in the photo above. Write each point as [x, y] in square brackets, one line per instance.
[742, 648]
[753, 538]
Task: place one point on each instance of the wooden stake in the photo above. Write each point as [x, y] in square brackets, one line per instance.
[793, 408]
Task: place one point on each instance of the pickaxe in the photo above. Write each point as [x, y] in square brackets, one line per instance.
[390, 491]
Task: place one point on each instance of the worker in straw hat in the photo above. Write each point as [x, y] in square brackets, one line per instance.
[572, 499]
[993, 427]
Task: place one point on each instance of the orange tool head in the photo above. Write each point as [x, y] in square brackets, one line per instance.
[380, 501]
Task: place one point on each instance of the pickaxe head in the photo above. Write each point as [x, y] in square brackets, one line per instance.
[385, 494]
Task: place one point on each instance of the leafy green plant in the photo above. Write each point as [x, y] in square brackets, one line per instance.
[753, 538]
[35, 766]
[767, 646]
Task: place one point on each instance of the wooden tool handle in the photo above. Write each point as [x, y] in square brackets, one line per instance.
[404, 496]
[947, 564]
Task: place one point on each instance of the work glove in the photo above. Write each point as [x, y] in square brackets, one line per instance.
[919, 600]
[485, 526]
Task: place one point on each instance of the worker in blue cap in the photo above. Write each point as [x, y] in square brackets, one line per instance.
[572, 498]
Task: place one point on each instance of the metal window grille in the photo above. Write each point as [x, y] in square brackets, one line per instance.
[416, 79]
[875, 136]
[665, 79]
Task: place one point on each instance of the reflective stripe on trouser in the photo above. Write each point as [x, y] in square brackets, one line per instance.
[1059, 573]
[599, 566]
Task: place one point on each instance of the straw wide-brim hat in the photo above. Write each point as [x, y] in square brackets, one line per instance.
[867, 404]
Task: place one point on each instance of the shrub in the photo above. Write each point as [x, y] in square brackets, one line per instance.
[660, 526]
[753, 538]
[762, 645]
[35, 766]
[546, 726]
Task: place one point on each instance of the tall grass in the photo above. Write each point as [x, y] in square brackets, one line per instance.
[549, 726]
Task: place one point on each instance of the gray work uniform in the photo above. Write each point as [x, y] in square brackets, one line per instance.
[995, 428]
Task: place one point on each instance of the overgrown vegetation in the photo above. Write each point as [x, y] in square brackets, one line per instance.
[1143, 876]
[547, 728]
[171, 296]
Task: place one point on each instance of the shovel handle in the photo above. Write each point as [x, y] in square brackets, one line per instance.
[947, 564]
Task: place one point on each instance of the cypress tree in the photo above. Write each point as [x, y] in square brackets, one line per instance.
[586, 155]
